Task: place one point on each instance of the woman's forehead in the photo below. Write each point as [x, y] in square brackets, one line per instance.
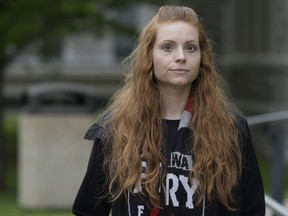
[177, 30]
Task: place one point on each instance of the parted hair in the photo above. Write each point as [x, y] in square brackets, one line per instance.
[136, 125]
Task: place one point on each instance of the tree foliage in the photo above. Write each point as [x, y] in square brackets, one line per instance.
[26, 21]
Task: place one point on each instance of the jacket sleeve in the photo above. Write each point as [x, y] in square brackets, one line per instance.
[89, 200]
[253, 202]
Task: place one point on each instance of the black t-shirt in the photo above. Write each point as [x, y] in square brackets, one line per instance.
[179, 196]
[171, 127]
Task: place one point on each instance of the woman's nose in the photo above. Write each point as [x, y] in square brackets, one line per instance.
[180, 55]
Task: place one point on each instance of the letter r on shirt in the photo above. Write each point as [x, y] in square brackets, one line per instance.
[172, 184]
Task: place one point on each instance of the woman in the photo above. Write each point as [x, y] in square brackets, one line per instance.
[171, 143]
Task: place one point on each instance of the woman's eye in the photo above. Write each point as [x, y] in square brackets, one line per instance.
[167, 47]
[191, 48]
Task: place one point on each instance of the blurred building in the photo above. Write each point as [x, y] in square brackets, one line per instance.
[251, 42]
[82, 58]
[254, 60]
[255, 53]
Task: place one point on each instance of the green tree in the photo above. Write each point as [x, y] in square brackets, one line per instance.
[24, 22]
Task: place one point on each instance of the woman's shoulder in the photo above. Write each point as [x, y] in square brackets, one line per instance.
[241, 121]
[99, 129]
[242, 127]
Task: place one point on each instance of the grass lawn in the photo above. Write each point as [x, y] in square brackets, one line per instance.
[9, 207]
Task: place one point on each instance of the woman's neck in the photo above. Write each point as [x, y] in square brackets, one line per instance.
[173, 104]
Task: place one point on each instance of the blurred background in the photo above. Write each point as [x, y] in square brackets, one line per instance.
[60, 61]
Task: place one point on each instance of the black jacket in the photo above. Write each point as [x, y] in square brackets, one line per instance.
[179, 197]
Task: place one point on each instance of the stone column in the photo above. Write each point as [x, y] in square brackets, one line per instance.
[52, 159]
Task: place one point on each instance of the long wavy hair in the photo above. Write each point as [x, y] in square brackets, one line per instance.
[136, 125]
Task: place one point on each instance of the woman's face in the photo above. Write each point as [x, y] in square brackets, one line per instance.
[176, 55]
